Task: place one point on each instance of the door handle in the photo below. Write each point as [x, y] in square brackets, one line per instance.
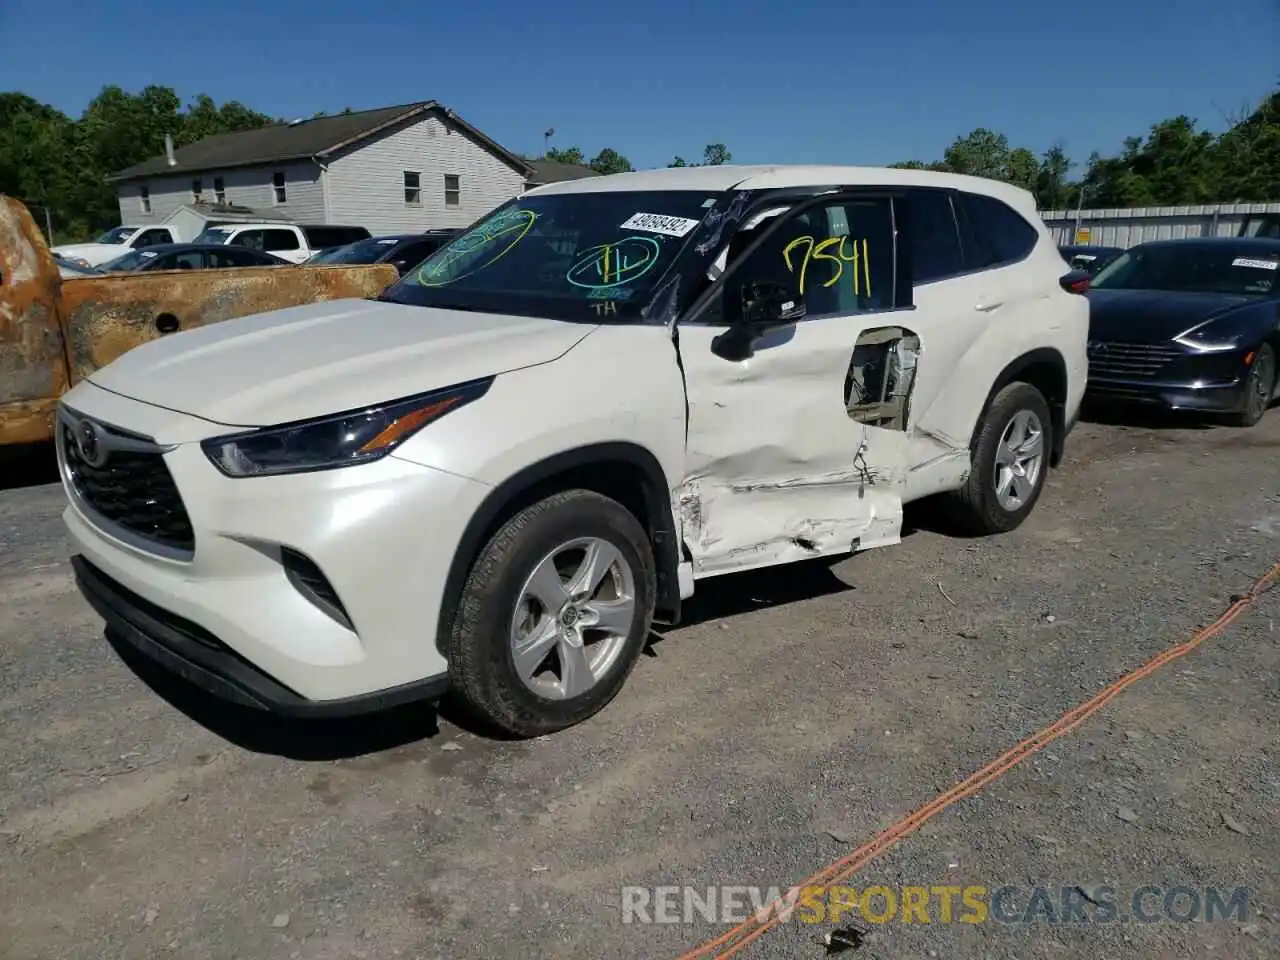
[986, 306]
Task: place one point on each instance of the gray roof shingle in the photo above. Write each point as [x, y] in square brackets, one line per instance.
[302, 140]
[553, 171]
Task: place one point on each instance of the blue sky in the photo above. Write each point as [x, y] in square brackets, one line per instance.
[792, 81]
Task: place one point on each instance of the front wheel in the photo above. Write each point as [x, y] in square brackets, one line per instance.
[554, 614]
[1259, 384]
[1010, 463]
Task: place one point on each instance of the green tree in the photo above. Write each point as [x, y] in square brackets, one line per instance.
[204, 118]
[1022, 169]
[983, 153]
[1052, 191]
[609, 160]
[39, 158]
[567, 155]
[1248, 155]
[713, 155]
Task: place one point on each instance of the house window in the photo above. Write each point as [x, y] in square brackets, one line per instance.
[219, 190]
[452, 189]
[412, 187]
[197, 188]
[144, 195]
[277, 183]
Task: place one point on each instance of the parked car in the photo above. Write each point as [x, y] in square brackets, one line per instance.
[404, 251]
[1189, 324]
[67, 269]
[1263, 225]
[497, 473]
[1089, 258]
[192, 256]
[114, 243]
[293, 242]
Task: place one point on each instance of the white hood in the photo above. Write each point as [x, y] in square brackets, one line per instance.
[95, 254]
[325, 358]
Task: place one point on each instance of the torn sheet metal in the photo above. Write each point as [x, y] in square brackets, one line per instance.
[33, 368]
[109, 315]
[781, 466]
[54, 332]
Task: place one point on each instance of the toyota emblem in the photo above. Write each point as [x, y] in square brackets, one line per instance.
[89, 444]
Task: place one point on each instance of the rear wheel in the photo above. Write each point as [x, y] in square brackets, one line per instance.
[554, 614]
[1010, 463]
[1259, 384]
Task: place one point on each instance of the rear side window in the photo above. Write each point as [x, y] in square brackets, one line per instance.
[321, 238]
[279, 240]
[248, 238]
[150, 238]
[415, 252]
[935, 236]
[230, 257]
[999, 234]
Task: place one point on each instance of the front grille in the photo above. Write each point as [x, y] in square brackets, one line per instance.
[132, 489]
[1130, 361]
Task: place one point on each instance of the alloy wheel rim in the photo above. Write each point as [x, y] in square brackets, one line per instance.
[1019, 460]
[572, 618]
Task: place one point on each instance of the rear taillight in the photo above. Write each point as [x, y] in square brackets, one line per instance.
[1077, 281]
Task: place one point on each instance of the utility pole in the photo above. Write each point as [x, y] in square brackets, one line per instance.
[1079, 205]
[48, 224]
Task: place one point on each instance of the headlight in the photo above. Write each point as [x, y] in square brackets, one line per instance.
[1206, 341]
[341, 440]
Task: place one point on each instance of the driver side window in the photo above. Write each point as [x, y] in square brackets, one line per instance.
[838, 256]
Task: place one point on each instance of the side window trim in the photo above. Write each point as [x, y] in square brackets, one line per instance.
[978, 245]
[692, 315]
[960, 233]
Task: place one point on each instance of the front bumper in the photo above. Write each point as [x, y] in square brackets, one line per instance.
[327, 585]
[1200, 396]
[185, 649]
[1169, 376]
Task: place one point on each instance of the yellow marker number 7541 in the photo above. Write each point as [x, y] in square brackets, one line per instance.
[855, 255]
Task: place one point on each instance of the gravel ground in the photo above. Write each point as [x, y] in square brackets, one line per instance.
[798, 713]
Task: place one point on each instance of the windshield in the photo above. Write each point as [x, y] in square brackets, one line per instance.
[1192, 268]
[366, 251]
[572, 256]
[117, 235]
[129, 261]
[214, 235]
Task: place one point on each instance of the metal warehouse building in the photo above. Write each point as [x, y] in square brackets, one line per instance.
[1123, 227]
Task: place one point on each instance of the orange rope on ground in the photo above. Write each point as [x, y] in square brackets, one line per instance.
[764, 920]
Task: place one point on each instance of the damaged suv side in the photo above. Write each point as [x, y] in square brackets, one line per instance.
[497, 475]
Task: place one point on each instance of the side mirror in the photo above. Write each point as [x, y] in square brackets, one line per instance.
[765, 307]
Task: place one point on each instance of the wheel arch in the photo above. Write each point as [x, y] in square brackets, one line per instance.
[625, 471]
[1045, 369]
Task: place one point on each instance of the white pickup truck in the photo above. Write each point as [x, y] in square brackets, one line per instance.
[292, 242]
[114, 243]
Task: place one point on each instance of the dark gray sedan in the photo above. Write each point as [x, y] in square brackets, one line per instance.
[191, 256]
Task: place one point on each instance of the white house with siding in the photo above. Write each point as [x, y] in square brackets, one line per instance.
[401, 169]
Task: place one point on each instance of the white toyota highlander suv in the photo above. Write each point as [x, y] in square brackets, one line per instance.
[494, 477]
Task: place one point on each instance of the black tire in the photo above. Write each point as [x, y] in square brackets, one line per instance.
[481, 665]
[975, 508]
[1259, 384]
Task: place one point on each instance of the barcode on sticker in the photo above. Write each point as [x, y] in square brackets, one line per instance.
[659, 223]
[1256, 264]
